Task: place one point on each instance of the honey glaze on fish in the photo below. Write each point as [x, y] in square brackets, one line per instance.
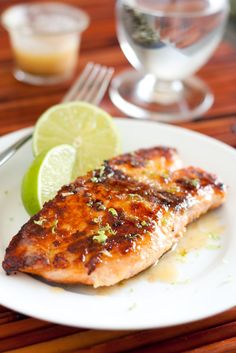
[114, 222]
[204, 233]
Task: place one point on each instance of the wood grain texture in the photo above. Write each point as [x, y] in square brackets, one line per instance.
[20, 106]
[18, 327]
[225, 346]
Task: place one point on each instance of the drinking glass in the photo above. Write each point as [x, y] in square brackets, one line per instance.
[45, 39]
[166, 41]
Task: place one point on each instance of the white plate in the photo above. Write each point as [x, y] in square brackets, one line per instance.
[138, 304]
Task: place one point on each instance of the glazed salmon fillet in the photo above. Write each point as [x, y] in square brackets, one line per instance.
[116, 221]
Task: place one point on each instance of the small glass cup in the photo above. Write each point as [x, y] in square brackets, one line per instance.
[45, 39]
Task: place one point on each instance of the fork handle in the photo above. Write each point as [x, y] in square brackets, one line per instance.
[10, 151]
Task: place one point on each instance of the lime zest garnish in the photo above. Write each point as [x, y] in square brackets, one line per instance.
[113, 212]
[164, 221]
[144, 224]
[173, 189]
[94, 180]
[214, 236]
[194, 182]
[40, 222]
[54, 226]
[108, 229]
[132, 235]
[102, 232]
[165, 174]
[135, 197]
[102, 169]
[183, 252]
[101, 237]
[100, 206]
[213, 247]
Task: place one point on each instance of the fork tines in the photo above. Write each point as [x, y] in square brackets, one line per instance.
[91, 84]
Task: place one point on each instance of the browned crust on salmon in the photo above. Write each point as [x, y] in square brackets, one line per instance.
[135, 201]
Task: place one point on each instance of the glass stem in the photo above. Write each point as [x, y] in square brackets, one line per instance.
[153, 90]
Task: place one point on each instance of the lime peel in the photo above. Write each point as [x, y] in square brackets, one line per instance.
[50, 170]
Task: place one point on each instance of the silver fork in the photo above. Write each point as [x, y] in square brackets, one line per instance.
[90, 86]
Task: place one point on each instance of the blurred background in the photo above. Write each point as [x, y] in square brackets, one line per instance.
[100, 44]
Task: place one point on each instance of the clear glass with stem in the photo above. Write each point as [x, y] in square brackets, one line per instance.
[166, 41]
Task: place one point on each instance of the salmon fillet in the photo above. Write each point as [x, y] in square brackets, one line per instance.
[114, 222]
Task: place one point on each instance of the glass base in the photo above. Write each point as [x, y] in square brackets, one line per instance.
[39, 80]
[145, 97]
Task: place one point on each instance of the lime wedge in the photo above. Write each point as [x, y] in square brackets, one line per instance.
[49, 171]
[86, 127]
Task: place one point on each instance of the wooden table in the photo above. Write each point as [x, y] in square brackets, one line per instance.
[20, 105]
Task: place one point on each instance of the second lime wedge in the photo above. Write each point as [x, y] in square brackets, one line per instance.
[50, 170]
[86, 127]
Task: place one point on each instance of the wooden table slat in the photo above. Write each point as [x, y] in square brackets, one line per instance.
[196, 339]
[114, 344]
[21, 326]
[223, 129]
[225, 346]
[175, 334]
[70, 343]
[9, 316]
[50, 333]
